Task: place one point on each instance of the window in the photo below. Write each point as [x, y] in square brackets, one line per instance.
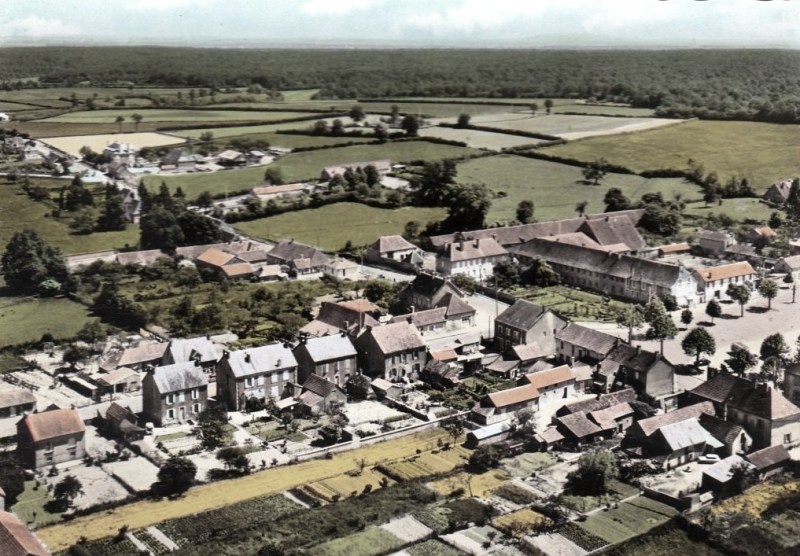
[248, 382]
[196, 408]
[170, 399]
[49, 447]
[787, 438]
[196, 392]
[171, 413]
[274, 392]
[285, 375]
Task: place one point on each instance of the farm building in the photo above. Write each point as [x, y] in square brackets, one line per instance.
[382, 166]
[488, 435]
[15, 401]
[15, 538]
[778, 192]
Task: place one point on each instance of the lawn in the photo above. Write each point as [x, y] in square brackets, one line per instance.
[235, 131]
[570, 302]
[664, 541]
[30, 506]
[763, 153]
[36, 215]
[603, 110]
[175, 115]
[628, 520]
[433, 548]
[27, 319]
[555, 188]
[331, 226]
[441, 110]
[616, 491]
[738, 209]
[372, 541]
[292, 141]
[229, 493]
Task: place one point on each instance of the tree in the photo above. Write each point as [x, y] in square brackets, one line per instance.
[358, 387]
[506, 274]
[593, 473]
[463, 120]
[710, 196]
[454, 427]
[433, 186]
[28, 262]
[713, 309]
[357, 113]
[176, 476]
[698, 341]
[67, 489]
[486, 457]
[662, 327]
[234, 459]
[320, 128]
[630, 317]
[332, 432]
[580, 207]
[112, 216]
[686, 317]
[740, 359]
[768, 288]
[197, 229]
[548, 105]
[337, 128]
[615, 200]
[540, 274]
[411, 230]
[83, 222]
[159, 229]
[670, 302]
[534, 107]
[595, 171]
[469, 205]
[92, 332]
[410, 125]
[119, 121]
[395, 113]
[211, 427]
[740, 294]
[775, 221]
[525, 211]
[273, 176]
[74, 354]
[743, 476]
[371, 175]
[793, 202]
[12, 477]
[137, 118]
[774, 345]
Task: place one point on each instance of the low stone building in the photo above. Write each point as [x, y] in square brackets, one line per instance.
[16, 401]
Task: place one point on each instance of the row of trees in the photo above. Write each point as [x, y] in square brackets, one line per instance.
[166, 223]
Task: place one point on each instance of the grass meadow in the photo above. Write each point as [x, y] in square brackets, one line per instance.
[565, 125]
[555, 188]
[762, 153]
[738, 209]
[331, 226]
[628, 520]
[479, 139]
[27, 319]
[175, 115]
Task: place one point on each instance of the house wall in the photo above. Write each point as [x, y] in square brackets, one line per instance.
[717, 288]
[568, 352]
[542, 332]
[173, 407]
[15, 410]
[684, 455]
[36, 455]
[480, 268]
[713, 246]
[786, 433]
[659, 380]
[791, 387]
[759, 429]
[337, 371]
[393, 366]
[556, 393]
[235, 391]
[784, 268]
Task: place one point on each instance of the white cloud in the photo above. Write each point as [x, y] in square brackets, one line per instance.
[163, 5]
[470, 15]
[35, 26]
[336, 7]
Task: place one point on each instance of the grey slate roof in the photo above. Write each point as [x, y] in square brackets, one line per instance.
[455, 306]
[720, 388]
[612, 230]
[602, 401]
[178, 377]
[389, 244]
[722, 471]
[397, 336]
[522, 314]
[577, 425]
[319, 385]
[685, 434]
[473, 249]
[290, 251]
[424, 318]
[254, 361]
[724, 431]
[587, 338]
[767, 457]
[428, 285]
[327, 348]
[652, 424]
[183, 350]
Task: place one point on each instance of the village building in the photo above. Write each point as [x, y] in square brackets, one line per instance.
[715, 243]
[769, 462]
[228, 266]
[302, 260]
[505, 404]
[351, 317]
[318, 395]
[341, 269]
[427, 291]
[475, 258]
[642, 430]
[719, 478]
[131, 205]
[681, 442]
[15, 538]
[601, 401]
[673, 249]
[16, 401]
[778, 192]
[271, 192]
[180, 159]
[122, 380]
[491, 434]
[231, 158]
[525, 323]
[791, 383]
[121, 422]
[576, 429]
[734, 439]
[330, 357]
[262, 373]
[394, 352]
[579, 343]
[174, 393]
[713, 281]
[184, 350]
[382, 166]
[620, 276]
[51, 437]
[615, 419]
[789, 266]
[760, 235]
[136, 357]
[647, 372]
[394, 249]
[553, 385]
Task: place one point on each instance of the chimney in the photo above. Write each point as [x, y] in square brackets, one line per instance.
[226, 354]
[278, 362]
[410, 319]
[638, 349]
[477, 242]
[347, 325]
[246, 357]
[461, 243]
[412, 308]
[342, 333]
[2, 500]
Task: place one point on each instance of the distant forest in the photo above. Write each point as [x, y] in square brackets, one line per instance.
[714, 84]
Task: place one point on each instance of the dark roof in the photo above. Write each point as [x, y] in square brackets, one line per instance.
[767, 457]
[289, 251]
[424, 318]
[720, 388]
[613, 264]
[652, 424]
[587, 338]
[389, 244]
[612, 230]
[396, 337]
[473, 249]
[724, 431]
[319, 385]
[11, 396]
[428, 285]
[118, 413]
[633, 358]
[342, 317]
[714, 235]
[763, 401]
[177, 377]
[603, 401]
[578, 425]
[455, 306]
[522, 314]
[512, 235]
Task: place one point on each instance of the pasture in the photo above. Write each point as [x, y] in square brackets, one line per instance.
[230, 492]
[235, 131]
[739, 209]
[603, 110]
[24, 319]
[479, 139]
[72, 145]
[174, 115]
[332, 226]
[567, 126]
[762, 153]
[555, 188]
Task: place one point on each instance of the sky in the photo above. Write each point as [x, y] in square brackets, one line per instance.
[405, 23]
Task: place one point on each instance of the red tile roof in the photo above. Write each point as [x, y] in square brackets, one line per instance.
[733, 270]
[17, 540]
[514, 396]
[550, 377]
[53, 424]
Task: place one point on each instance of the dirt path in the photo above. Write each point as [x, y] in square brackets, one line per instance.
[214, 495]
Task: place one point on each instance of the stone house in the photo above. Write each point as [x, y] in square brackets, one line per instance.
[262, 373]
[718, 478]
[301, 259]
[340, 269]
[395, 249]
[715, 243]
[394, 351]
[778, 192]
[51, 437]
[791, 383]
[15, 537]
[526, 323]
[681, 442]
[505, 404]
[475, 258]
[268, 192]
[579, 343]
[382, 166]
[643, 429]
[770, 461]
[789, 265]
[173, 394]
[553, 385]
[318, 395]
[734, 438]
[15, 401]
[645, 371]
[185, 350]
[578, 430]
[121, 422]
[713, 281]
[330, 357]
[426, 291]
[351, 317]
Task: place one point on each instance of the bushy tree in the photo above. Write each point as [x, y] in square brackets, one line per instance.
[28, 262]
[615, 200]
[540, 274]
[357, 113]
[67, 489]
[595, 171]
[486, 457]
[433, 185]
[469, 205]
[662, 327]
[525, 211]
[176, 476]
[12, 477]
[740, 359]
[593, 473]
[768, 288]
[234, 459]
[698, 341]
[273, 176]
[687, 317]
[159, 229]
[630, 317]
[713, 309]
[463, 120]
[112, 216]
[740, 294]
[410, 125]
[358, 387]
[506, 274]
[774, 345]
[211, 427]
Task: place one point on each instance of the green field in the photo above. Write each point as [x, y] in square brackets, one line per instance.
[172, 115]
[308, 165]
[18, 211]
[664, 541]
[603, 110]
[554, 188]
[26, 319]
[443, 110]
[295, 141]
[628, 520]
[369, 542]
[330, 227]
[763, 153]
[479, 139]
[738, 209]
[30, 506]
[235, 131]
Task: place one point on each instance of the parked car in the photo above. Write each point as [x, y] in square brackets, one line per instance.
[708, 458]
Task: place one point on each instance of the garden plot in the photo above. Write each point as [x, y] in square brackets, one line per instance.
[429, 548]
[628, 520]
[407, 529]
[472, 540]
[97, 485]
[470, 484]
[520, 523]
[138, 473]
[347, 485]
[370, 412]
[369, 542]
[73, 144]
[568, 126]
[425, 465]
[556, 545]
